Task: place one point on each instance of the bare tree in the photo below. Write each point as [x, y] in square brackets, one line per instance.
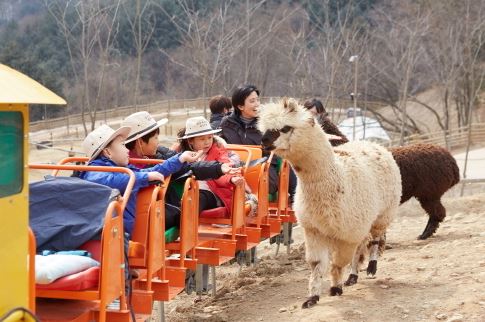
[142, 28]
[208, 43]
[334, 40]
[88, 28]
[397, 46]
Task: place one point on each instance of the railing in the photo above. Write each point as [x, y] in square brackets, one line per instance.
[452, 139]
[168, 108]
[165, 107]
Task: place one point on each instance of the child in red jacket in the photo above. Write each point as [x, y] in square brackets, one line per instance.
[199, 136]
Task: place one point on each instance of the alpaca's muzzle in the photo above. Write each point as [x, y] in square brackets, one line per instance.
[269, 137]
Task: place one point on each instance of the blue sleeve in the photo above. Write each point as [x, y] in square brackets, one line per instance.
[168, 167]
[117, 180]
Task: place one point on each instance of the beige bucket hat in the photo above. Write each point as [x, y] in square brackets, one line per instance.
[197, 126]
[141, 123]
[98, 139]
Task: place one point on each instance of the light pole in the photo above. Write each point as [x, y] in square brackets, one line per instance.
[354, 59]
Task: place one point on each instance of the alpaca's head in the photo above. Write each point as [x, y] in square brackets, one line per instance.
[280, 122]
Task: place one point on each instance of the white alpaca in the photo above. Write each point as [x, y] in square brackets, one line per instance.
[342, 196]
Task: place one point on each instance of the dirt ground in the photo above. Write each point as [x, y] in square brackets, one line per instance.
[442, 278]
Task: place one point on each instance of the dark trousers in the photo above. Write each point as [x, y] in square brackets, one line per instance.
[207, 200]
[172, 215]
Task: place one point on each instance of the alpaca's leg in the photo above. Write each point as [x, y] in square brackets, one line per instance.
[341, 257]
[357, 259]
[378, 233]
[317, 256]
[437, 214]
[373, 256]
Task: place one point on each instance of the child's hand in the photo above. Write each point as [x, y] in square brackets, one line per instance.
[189, 156]
[155, 176]
[237, 180]
[228, 169]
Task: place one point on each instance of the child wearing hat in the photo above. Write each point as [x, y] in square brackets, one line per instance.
[105, 147]
[142, 142]
[198, 135]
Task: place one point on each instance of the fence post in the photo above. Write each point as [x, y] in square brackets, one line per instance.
[168, 111]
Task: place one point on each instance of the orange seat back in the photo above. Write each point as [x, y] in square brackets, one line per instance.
[189, 220]
[112, 278]
[238, 211]
[283, 188]
[257, 177]
[263, 192]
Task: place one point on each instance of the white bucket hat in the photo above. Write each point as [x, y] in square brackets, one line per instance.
[141, 123]
[98, 139]
[197, 126]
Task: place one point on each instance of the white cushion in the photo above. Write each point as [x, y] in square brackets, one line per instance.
[49, 268]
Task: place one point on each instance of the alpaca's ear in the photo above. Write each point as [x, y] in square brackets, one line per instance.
[285, 102]
[289, 104]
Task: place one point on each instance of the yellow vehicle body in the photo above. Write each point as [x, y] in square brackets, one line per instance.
[17, 91]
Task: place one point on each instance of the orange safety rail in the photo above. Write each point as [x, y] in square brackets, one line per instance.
[111, 283]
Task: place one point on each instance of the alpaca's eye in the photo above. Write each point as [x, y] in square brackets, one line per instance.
[286, 129]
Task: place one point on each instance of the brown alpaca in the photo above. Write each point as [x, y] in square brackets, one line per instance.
[427, 172]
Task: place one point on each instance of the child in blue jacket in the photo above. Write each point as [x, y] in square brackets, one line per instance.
[105, 147]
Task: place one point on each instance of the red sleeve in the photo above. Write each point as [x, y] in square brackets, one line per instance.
[223, 157]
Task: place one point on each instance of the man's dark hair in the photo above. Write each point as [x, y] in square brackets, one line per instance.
[240, 94]
[218, 103]
[317, 103]
[131, 145]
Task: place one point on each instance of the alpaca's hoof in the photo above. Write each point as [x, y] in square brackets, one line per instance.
[351, 280]
[430, 229]
[372, 268]
[335, 290]
[426, 234]
[423, 236]
[311, 301]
